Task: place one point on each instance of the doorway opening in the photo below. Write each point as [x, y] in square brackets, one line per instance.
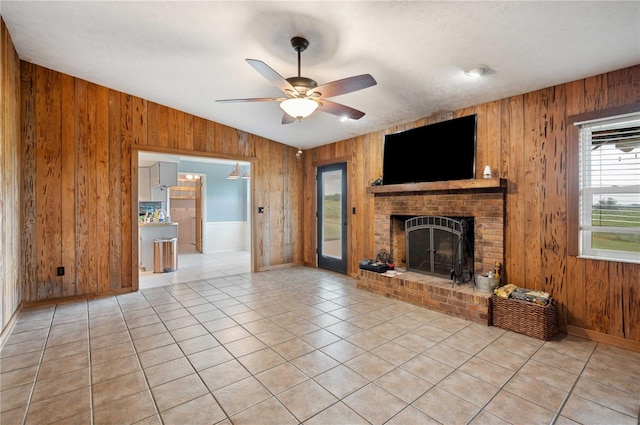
[210, 211]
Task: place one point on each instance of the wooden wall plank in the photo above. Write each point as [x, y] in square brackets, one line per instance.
[115, 192]
[28, 142]
[127, 138]
[103, 201]
[68, 187]
[534, 132]
[48, 209]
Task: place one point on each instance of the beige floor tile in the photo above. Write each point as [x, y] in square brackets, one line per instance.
[486, 371]
[15, 397]
[179, 391]
[447, 354]
[114, 368]
[342, 350]
[268, 412]
[446, 407]
[112, 353]
[337, 414]
[306, 399]
[367, 340]
[497, 356]
[486, 418]
[369, 365]
[18, 377]
[234, 333]
[314, 363]
[109, 339]
[160, 355]
[189, 332]
[109, 391]
[374, 403]
[587, 412]
[49, 411]
[320, 338]
[210, 357]
[552, 357]
[414, 342]
[60, 351]
[549, 375]
[275, 336]
[394, 353]
[60, 384]
[616, 399]
[469, 345]
[469, 388]
[203, 410]
[341, 381]
[428, 369]
[259, 326]
[245, 346]
[252, 393]
[51, 369]
[7, 364]
[281, 377]
[199, 343]
[224, 374]
[412, 416]
[516, 410]
[403, 385]
[144, 331]
[432, 332]
[537, 392]
[261, 360]
[612, 377]
[131, 409]
[165, 372]
[511, 343]
[153, 341]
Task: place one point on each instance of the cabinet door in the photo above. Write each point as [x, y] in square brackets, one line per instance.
[144, 194]
[159, 193]
[164, 174]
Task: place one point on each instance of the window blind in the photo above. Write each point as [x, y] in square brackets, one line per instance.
[610, 188]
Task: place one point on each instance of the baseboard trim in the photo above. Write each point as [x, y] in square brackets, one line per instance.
[9, 328]
[604, 338]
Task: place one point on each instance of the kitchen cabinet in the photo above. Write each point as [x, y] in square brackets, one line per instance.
[144, 192]
[163, 174]
[147, 192]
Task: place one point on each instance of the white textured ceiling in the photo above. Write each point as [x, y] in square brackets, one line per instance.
[188, 54]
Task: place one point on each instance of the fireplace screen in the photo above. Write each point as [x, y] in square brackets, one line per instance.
[439, 246]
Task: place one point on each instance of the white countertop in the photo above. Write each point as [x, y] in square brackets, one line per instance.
[154, 224]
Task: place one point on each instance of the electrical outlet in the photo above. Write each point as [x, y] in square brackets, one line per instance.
[60, 271]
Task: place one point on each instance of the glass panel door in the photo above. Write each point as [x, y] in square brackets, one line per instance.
[332, 217]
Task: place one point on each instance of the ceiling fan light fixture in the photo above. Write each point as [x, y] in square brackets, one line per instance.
[299, 108]
[476, 71]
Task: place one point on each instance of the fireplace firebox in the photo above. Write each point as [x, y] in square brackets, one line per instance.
[441, 246]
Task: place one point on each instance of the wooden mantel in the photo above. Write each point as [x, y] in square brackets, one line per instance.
[479, 185]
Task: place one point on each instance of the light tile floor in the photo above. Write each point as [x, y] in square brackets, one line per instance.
[292, 346]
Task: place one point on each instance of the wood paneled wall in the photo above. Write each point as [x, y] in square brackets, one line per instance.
[10, 296]
[80, 143]
[524, 140]
[10, 279]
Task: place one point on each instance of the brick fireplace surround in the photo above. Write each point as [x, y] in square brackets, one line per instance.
[482, 199]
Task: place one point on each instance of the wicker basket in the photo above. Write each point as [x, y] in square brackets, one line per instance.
[536, 321]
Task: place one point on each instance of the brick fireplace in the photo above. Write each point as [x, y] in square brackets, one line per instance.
[480, 199]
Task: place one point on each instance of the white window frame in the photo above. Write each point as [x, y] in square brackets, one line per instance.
[587, 191]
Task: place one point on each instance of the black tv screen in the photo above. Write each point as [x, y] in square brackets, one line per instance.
[436, 152]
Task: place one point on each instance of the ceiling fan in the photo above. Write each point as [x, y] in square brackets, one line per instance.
[302, 95]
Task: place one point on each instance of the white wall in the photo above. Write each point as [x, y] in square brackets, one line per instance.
[227, 236]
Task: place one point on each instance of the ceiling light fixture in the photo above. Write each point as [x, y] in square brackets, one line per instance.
[477, 71]
[299, 107]
[235, 174]
[298, 154]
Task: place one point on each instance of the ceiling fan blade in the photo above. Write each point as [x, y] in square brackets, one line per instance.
[340, 110]
[346, 85]
[276, 79]
[287, 119]
[253, 99]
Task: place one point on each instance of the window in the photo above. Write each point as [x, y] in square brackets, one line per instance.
[609, 188]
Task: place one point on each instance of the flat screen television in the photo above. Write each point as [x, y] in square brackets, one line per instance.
[436, 152]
